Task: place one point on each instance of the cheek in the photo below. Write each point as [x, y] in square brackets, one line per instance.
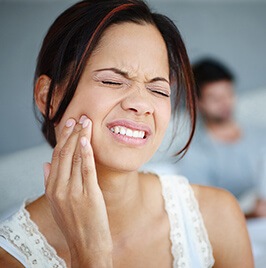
[76, 108]
[210, 106]
[231, 102]
[87, 104]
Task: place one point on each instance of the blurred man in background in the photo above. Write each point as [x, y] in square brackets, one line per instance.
[224, 154]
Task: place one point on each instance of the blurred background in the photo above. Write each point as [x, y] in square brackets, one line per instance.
[231, 31]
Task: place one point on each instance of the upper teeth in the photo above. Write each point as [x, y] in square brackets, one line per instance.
[128, 132]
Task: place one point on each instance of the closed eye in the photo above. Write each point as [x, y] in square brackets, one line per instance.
[107, 82]
[160, 92]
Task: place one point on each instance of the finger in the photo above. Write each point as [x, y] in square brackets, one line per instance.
[64, 168]
[66, 132]
[66, 156]
[88, 169]
[77, 180]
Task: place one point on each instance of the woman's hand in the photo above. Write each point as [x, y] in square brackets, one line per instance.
[76, 199]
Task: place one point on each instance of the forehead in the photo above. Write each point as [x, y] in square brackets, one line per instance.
[218, 88]
[132, 46]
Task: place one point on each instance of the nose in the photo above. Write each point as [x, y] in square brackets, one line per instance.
[138, 101]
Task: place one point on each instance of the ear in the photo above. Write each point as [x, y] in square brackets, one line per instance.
[41, 90]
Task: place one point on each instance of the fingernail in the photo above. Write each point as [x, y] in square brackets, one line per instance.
[70, 122]
[86, 123]
[83, 141]
[82, 119]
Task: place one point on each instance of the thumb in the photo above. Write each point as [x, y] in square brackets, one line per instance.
[46, 171]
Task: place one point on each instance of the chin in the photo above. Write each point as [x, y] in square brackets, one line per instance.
[125, 167]
[124, 163]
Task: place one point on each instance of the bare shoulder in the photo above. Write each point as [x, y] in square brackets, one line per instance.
[226, 226]
[217, 202]
[6, 260]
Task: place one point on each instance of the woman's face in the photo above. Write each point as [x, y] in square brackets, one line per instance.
[125, 91]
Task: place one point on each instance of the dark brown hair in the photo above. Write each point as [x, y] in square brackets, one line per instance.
[209, 70]
[74, 35]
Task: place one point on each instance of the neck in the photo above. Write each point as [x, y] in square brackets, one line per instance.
[227, 130]
[123, 197]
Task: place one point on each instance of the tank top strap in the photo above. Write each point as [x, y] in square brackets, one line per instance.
[190, 243]
[22, 237]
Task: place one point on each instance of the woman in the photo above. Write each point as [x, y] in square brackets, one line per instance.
[103, 82]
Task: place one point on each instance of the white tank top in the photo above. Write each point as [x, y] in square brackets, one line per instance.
[191, 248]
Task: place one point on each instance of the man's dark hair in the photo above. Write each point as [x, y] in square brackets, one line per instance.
[208, 71]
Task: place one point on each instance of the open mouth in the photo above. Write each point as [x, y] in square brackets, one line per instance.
[140, 134]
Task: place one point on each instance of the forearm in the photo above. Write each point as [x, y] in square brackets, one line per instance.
[102, 259]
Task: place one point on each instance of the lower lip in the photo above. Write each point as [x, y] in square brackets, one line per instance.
[129, 140]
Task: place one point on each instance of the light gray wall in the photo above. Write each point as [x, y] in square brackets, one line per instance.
[232, 32]
[235, 33]
[22, 27]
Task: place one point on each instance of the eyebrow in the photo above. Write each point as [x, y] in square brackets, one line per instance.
[125, 74]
